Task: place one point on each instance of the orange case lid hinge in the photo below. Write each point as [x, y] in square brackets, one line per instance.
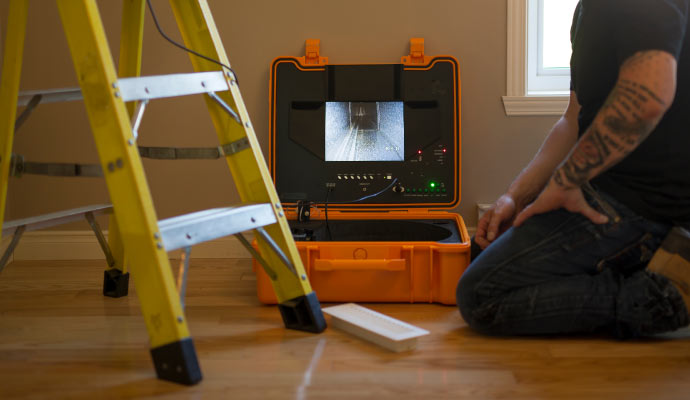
[313, 53]
[416, 56]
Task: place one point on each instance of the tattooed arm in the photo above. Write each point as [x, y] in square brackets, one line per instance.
[643, 93]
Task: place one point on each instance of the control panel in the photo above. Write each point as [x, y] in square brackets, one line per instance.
[377, 135]
[424, 177]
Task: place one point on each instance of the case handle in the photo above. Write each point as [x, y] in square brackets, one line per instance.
[393, 264]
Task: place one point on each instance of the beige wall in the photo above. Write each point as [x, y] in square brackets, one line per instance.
[254, 32]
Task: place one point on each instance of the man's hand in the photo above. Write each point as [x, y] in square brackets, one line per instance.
[532, 180]
[556, 196]
[495, 221]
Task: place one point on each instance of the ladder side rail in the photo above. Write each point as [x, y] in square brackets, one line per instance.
[116, 278]
[9, 90]
[248, 168]
[131, 42]
[172, 348]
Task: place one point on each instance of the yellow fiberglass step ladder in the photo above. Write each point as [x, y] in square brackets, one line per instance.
[136, 239]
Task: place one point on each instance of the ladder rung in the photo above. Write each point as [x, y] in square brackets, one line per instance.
[141, 88]
[56, 218]
[202, 226]
[50, 95]
[160, 86]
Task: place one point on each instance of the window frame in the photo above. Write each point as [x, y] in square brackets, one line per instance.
[518, 102]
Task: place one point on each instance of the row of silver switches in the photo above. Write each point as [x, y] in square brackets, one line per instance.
[355, 177]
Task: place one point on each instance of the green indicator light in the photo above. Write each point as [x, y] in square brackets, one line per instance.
[432, 184]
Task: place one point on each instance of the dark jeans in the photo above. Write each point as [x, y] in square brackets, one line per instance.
[560, 273]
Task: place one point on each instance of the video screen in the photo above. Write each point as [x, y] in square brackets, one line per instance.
[365, 131]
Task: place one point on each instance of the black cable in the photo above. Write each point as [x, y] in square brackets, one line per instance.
[166, 37]
[328, 192]
[370, 195]
[325, 208]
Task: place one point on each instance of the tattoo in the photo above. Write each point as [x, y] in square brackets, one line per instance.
[591, 153]
[613, 144]
[621, 126]
[652, 95]
[636, 89]
[617, 111]
[628, 95]
[629, 131]
[559, 179]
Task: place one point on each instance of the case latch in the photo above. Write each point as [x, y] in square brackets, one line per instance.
[416, 56]
[303, 211]
[313, 53]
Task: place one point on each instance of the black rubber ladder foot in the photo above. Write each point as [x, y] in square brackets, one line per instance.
[177, 362]
[115, 283]
[303, 314]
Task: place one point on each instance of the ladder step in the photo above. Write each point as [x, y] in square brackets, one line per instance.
[141, 88]
[56, 218]
[50, 95]
[160, 86]
[202, 226]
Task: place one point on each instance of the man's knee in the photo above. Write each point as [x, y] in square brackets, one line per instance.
[466, 292]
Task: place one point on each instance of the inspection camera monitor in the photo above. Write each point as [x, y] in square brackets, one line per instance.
[343, 132]
[365, 131]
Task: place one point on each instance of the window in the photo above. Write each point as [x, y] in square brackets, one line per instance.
[538, 56]
[548, 46]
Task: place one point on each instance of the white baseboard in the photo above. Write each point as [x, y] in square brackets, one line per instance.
[82, 245]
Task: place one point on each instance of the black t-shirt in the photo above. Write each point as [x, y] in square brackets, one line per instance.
[653, 180]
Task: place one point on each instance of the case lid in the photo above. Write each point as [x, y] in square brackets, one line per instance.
[366, 136]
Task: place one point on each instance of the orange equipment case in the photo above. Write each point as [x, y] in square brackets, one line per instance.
[339, 133]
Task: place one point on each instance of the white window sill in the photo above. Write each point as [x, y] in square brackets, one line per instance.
[535, 105]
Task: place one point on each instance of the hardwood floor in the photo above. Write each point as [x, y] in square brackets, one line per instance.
[60, 338]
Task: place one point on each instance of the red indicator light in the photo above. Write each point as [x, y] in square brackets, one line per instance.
[444, 150]
[419, 152]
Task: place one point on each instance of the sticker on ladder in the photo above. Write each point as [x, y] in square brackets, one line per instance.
[387, 332]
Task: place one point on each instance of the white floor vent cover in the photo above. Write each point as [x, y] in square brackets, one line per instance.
[375, 327]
